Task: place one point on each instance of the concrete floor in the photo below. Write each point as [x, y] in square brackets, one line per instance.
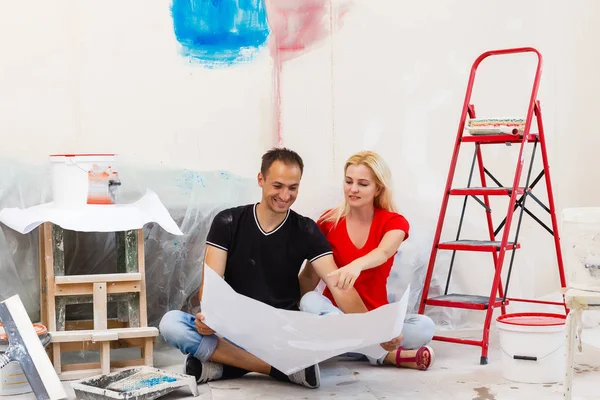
[455, 375]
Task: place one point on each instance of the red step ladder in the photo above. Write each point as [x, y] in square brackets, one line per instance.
[497, 246]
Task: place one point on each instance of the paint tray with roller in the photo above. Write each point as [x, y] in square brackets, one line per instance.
[138, 383]
[496, 126]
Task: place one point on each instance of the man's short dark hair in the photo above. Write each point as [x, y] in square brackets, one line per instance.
[287, 156]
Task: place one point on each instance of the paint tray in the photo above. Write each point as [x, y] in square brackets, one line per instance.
[139, 383]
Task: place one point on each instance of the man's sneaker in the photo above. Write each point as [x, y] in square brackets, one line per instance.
[309, 377]
[202, 371]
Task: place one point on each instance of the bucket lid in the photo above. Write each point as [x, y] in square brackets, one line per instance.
[84, 155]
[533, 319]
[39, 329]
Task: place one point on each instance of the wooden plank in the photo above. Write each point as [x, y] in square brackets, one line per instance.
[88, 335]
[105, 358]
[43, 291]
[77, 336]
[147, 352]
[49, 270]
[97, 278]
[56, 357]
[103, 336]
[142, 332]
[141, 262]
[88, 288]
[100, 312]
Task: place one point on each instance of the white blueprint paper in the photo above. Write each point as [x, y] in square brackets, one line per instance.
[93, 217]
[293, 340]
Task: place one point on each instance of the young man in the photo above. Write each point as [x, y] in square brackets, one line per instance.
[259, 249]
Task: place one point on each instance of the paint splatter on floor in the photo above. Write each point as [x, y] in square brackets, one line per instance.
[483, 393]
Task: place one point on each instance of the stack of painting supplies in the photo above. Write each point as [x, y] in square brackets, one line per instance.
[495, 126]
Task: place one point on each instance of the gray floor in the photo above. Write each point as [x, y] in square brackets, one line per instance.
[455, 375]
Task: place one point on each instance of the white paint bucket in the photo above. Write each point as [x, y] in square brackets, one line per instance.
[532, 346]
[581, 247]
[12, 379]
[72, 183]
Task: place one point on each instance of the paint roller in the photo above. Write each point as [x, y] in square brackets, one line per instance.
[26, 348]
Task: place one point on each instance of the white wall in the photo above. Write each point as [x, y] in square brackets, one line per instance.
[400, 71]
[106, 77]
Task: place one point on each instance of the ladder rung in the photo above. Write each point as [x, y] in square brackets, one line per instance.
[476, 245]
[501, 138]
[480, 191]
[466, 301]
[458, 340]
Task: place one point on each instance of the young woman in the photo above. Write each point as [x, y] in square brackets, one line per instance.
[365, 232]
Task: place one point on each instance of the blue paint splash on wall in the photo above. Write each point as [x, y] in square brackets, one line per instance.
[220, 33]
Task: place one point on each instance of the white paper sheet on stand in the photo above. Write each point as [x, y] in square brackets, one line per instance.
[293, 340]
[93, 218]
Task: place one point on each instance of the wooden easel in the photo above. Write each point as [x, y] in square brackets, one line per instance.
[127, 288]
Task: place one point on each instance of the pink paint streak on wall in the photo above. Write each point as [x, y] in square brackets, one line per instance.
[296, 26]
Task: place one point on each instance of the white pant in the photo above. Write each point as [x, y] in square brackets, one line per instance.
[418, 330]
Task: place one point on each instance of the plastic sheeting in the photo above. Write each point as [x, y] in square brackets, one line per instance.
[173, 263]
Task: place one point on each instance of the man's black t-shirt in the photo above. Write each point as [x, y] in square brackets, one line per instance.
[265, 266]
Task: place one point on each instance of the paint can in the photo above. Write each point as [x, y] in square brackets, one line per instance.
[12, 379]
[80, 179]
[581, 247]
[532, 346]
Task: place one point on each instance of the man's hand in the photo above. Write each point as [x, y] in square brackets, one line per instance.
[347, 276]
[201, 327]
[393, 344]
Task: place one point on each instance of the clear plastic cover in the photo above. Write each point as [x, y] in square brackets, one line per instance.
[173, 263]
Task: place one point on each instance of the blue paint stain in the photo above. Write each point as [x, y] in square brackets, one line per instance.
[144, 383]
[219, 33]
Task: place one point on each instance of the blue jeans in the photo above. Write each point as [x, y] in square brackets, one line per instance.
[418, 330]
[177, 328]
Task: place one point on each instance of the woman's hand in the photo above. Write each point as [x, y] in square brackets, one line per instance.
[201, 327]
[347, 276]
[393, 344]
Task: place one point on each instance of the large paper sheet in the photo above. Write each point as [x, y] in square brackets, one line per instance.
[293, 340]
[92, 217]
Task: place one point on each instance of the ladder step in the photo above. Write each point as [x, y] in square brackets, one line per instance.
[480, 191]
[476, 245]
[498, 138]
[466, 301]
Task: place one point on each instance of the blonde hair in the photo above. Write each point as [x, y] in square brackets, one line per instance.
[383, 180]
